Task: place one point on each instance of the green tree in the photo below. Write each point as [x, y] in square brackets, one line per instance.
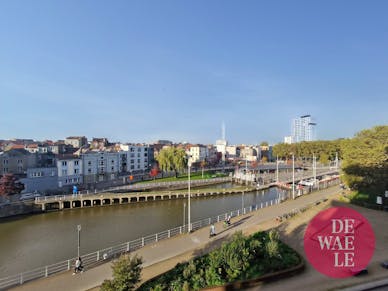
[126, 274]
[172, 159]
[365, 160]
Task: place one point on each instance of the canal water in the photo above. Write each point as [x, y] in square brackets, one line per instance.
[29, 242]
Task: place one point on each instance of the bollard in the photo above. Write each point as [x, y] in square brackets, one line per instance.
[68, 264]
[142, 241]
[169, 234]
[46, 272]
[156, 237]
[127, 246]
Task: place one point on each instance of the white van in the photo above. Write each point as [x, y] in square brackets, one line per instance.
[28, 196]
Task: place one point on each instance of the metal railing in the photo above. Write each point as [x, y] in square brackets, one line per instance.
[92, 194]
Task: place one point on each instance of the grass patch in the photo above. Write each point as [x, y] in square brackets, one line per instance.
[183, 177]
[365, 200]
[242, 258]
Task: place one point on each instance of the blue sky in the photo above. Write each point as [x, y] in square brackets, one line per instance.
[137, 71]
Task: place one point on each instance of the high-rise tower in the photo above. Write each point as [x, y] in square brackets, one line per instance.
[303, 129]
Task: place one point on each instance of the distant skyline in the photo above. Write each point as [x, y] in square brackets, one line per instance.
[139, 71]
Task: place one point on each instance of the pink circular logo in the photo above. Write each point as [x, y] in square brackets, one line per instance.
[339, 242]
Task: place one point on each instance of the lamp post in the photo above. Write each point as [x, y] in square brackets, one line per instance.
[79, 237]
[189, 194]
[293, 176]
[184, 214]
[277, 169]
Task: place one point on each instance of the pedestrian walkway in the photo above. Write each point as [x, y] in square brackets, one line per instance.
[167, 249]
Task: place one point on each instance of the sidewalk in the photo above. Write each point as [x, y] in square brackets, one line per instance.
[186, 244]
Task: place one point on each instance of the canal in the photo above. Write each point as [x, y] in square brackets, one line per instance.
[28, 242]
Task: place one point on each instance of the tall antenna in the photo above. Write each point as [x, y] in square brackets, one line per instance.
[223, 130]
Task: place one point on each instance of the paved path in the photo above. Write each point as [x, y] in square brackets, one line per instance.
[173, 247]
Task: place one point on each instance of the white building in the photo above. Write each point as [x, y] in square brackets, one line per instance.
[137, 157]
[303, 129]
[198, 153]
[221, 145]
[288, 139]
[69, 171]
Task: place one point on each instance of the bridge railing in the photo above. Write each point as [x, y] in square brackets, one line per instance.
[91, 194]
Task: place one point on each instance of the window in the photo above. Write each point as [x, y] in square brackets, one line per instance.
[113, 168]
[64, 163]
[138, 155]
[5, 162]
[64, 172]
[138, 161]
[89, 170]
[76, 171]
[145, 154]
[76, 163]
[132, 167]
[113, 162]
[101, 163]
[20, 169]
[20, 161]
[5, 170]
[89, 163]
[139, 149]
[132, 161]
[132, 155]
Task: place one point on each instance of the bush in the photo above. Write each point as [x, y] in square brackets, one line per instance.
[126, 274]
[239, 259]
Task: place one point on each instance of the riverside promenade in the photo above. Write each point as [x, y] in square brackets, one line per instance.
[163, 255]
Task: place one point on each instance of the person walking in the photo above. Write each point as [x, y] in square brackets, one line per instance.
[78, 266]
[212, 230]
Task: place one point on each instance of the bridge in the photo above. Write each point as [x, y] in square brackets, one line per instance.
[109, 198]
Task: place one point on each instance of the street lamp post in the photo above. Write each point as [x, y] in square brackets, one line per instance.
[277, 169]
[293, 176]
[184, 214]
[79, 237]
[189, 194]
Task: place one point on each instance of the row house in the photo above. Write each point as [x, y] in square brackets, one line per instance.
[100, 166]
[137, 158]
[16, 161]
[69, 170]
[76, 141]
[42, 180]
[198, 153]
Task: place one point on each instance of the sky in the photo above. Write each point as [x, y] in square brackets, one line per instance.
[139, 71]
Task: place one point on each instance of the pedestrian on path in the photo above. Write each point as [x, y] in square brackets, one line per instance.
[78, 266]
[212, 230]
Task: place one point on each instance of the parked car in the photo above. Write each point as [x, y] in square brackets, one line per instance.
[29, 196]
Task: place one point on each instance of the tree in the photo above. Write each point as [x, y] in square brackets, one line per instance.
[365, 160]
[172, 159]
[9, 185]
[126, 274]
[264, 144]
[154, 172]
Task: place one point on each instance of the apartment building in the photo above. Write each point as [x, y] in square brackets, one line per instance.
[69, 170]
